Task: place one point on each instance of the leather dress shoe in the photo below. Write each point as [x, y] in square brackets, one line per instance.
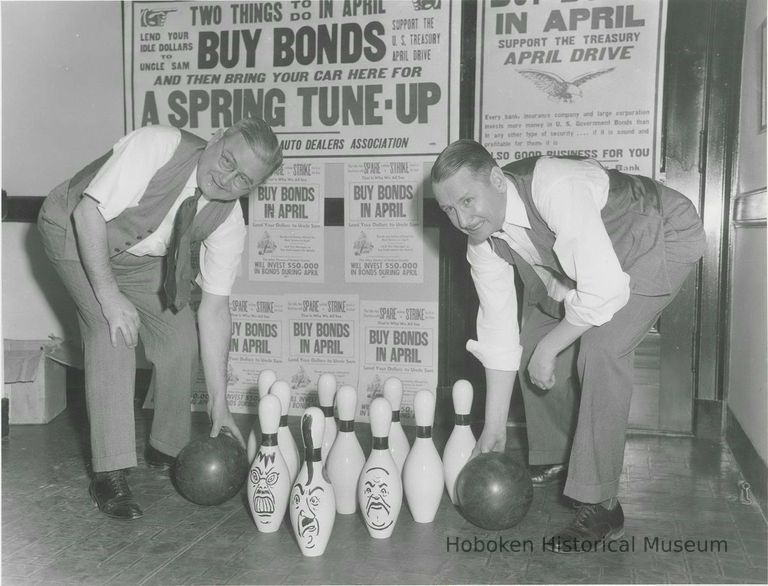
[157, 459]
[111, 493]
[593, 525]
[548, 474]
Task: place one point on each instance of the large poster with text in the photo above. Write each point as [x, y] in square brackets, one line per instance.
[570, 77]
[333, 78]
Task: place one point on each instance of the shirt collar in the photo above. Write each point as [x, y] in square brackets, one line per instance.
[515, 214]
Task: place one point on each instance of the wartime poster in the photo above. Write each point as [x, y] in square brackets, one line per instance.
[257, 343]
[400, 339]
[321, 339]
[333, 78]
[383, 212]
[286, 225]
[559, 78]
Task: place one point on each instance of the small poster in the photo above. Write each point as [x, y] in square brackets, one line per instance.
[383, 222]
[400, 339]
[257, 343]
[322, 339]
[286, 241]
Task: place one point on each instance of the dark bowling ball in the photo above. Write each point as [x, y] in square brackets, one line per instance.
[212, 470]
[493, 491]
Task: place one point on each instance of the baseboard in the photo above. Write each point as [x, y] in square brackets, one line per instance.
[752, 466]
[708, 419]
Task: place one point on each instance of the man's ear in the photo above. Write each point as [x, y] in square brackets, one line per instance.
[497, 179]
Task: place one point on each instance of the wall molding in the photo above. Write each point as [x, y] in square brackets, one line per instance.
[749, 208]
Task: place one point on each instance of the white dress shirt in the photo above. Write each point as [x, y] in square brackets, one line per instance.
[122, 181]
[568, 195]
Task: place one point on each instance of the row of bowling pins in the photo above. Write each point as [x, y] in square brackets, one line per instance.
[336, 478]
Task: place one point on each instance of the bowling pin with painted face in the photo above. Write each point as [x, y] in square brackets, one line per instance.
[423, 470]
[346, 458]
[288, 447]
[269, 482]
[380, 488]
[264, 382]
[398, 442]
[326, 391]
[461, 442]
[312, 504]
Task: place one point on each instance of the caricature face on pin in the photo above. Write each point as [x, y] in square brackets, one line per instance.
[306, 501]
[264, 480]
[376, 492]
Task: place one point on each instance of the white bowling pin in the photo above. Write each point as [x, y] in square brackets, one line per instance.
[461, 442]
[398, 442]
[288, 447]
[380, 488]
[423, 470]
[312, 504]
[346, 457]
[269, 482]
[326, 391]
[265, 380]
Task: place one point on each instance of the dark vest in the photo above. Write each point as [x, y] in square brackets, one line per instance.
[648, 224]
[135, 223]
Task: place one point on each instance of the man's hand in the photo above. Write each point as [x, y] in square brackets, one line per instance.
[222, 420]
[491, 441]
[541, 368]
[121, 315]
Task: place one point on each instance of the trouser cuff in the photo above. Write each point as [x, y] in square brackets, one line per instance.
[543, 457]
[590, 493]
[116, 462]
[165, 447]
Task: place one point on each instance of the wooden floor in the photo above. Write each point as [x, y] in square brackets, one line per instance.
[671, 489]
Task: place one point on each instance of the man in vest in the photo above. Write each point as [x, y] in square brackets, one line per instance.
[127, 235]
[600, 255]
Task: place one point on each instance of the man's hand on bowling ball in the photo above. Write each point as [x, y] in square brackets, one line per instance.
[541, 369]
[222, 420]
[490, 441]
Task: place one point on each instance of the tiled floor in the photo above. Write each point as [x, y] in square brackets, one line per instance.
[672, 489]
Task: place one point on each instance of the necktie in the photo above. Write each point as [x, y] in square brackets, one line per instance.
[178, 270]
[536, 291]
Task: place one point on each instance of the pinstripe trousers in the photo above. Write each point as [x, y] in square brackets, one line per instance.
[170, 342]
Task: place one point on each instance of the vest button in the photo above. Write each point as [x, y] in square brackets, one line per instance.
[117, 250]
[127, 243]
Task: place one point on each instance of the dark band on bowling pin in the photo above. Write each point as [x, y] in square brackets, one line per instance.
[461, 419]
[268, 439]
[424, 431]
[312, 454]
[327, 411]
[381, 443]
[347, 425]
[395, 416]
[284, 421]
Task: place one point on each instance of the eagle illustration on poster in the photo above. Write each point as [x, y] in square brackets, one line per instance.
[558, 89]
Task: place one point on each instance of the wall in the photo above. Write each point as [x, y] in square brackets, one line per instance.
[747, 394]
[62, 106]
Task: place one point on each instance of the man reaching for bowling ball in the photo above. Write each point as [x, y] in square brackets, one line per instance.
[600, 254]
[127, 235]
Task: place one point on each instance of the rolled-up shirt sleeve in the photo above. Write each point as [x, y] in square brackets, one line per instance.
[569, 195]
[220, 254]
[498, 344]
